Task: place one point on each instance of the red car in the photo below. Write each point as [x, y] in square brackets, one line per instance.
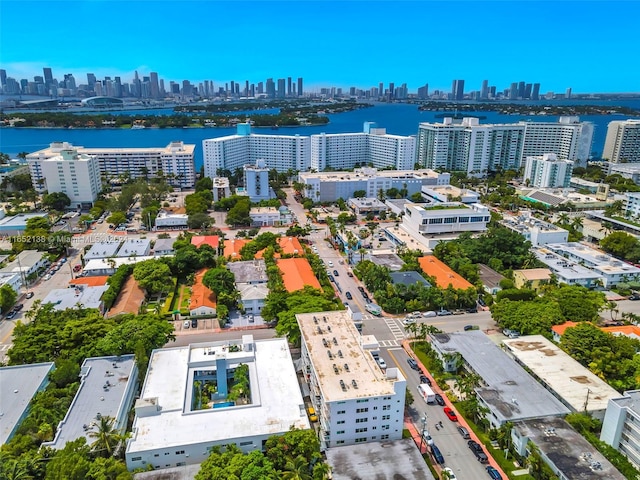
[451, 414]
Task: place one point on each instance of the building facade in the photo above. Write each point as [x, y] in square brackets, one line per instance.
[568, 138]
[469, 147]
[449, 217]
[70, 172]
[329, 186]
[256, 181]
[620, 426]
[547, 171]
[185, 409]
[373, 147]
[175, 162]
[622, 144]
[280, 152]
[355, 399]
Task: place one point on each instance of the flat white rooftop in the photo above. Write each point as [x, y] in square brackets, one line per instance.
[564, 267]
[366, 173]
[508, 389]
[105, 382]
[104, 249]
[599, 261]
[106, 264]
[573, 383]
[336, 351]
[18, 385]
[135, 247]
[276, 402]
[19, 221]
[86, 297]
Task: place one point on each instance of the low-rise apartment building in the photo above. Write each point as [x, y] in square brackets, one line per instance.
[356, 401]
[534, 230]
[449, 217]
[620, 427]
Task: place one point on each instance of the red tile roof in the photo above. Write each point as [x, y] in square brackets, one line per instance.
[442, 273]
[201, 296]
[233, 246]
[129, 299]
[212, 240]
[96, 281]
[297, 273]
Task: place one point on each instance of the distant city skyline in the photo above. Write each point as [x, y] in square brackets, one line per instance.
[577, 45]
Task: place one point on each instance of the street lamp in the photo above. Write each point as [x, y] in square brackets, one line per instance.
[423, 420]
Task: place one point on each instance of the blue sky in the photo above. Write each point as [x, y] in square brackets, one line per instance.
[591, 46]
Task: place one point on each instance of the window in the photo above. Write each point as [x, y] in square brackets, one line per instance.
[450, 220]
[362, 410]
[341, 412]
[386, 407]
[156, 454]
[340, 442]
[166, 453]
[385, 427]
[361, 430]
[181, 464]
[340, 432]
[340, 422]
[362, 400]
[136, 459]
[434, 221]
[384, 437]
[386, 417]
[243, 444]
[361, 440]
[361, 420]
[180, 452]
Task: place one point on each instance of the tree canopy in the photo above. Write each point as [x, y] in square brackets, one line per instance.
[152, 275]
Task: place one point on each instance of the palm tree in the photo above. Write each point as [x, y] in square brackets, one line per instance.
[321, 470]
[296, 469]
[107, 437]
[563, 219]
[15, 470]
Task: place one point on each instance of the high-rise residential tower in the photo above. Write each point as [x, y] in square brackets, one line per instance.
[568, 138]
[547, 171]
[623, 141]
[469, 147]
[300, 91]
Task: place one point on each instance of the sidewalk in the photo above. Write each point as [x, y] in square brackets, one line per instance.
[406, 344]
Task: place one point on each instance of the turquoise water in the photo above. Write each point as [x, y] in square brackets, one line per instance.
[398, 119]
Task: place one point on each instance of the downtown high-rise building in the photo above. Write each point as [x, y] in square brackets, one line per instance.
[300, 90]
[484, 91]
[457, 90]
[154, 85]
[281, 93]
[622, 144]
[271, 88]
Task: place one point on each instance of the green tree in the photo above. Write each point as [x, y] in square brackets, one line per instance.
[297, 469]
[70, 463]
[106, 436]
[199, 220]
[8, 297]
[56, 201]
[117, 218]
[205, 183]
[238, 215]
[220, 280]
[622, 245]
[65, 373]
[359, 194]
[152, 275]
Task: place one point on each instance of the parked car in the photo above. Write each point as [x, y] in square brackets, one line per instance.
[464, 432]
[77, 268]
[10, 315]
[409, 321]
[361, 288]
[335, 272]
[474, 446]
[437, 455]
[349, 274]
[493, 473]
[425, 379]
[382, 363]
[47, 277]
[429, 313]
[450, 414]
[443, 313]
[186, 324]
[470, 327]
[450, 475]
[426, 438]
[330, 263]
[412, 363]
[365, 295]
[30, 294]
[312, 414]
[18, 307]
[439, 400]
[348, 295]
[472, 310]
[331, 279]
[194, 323]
